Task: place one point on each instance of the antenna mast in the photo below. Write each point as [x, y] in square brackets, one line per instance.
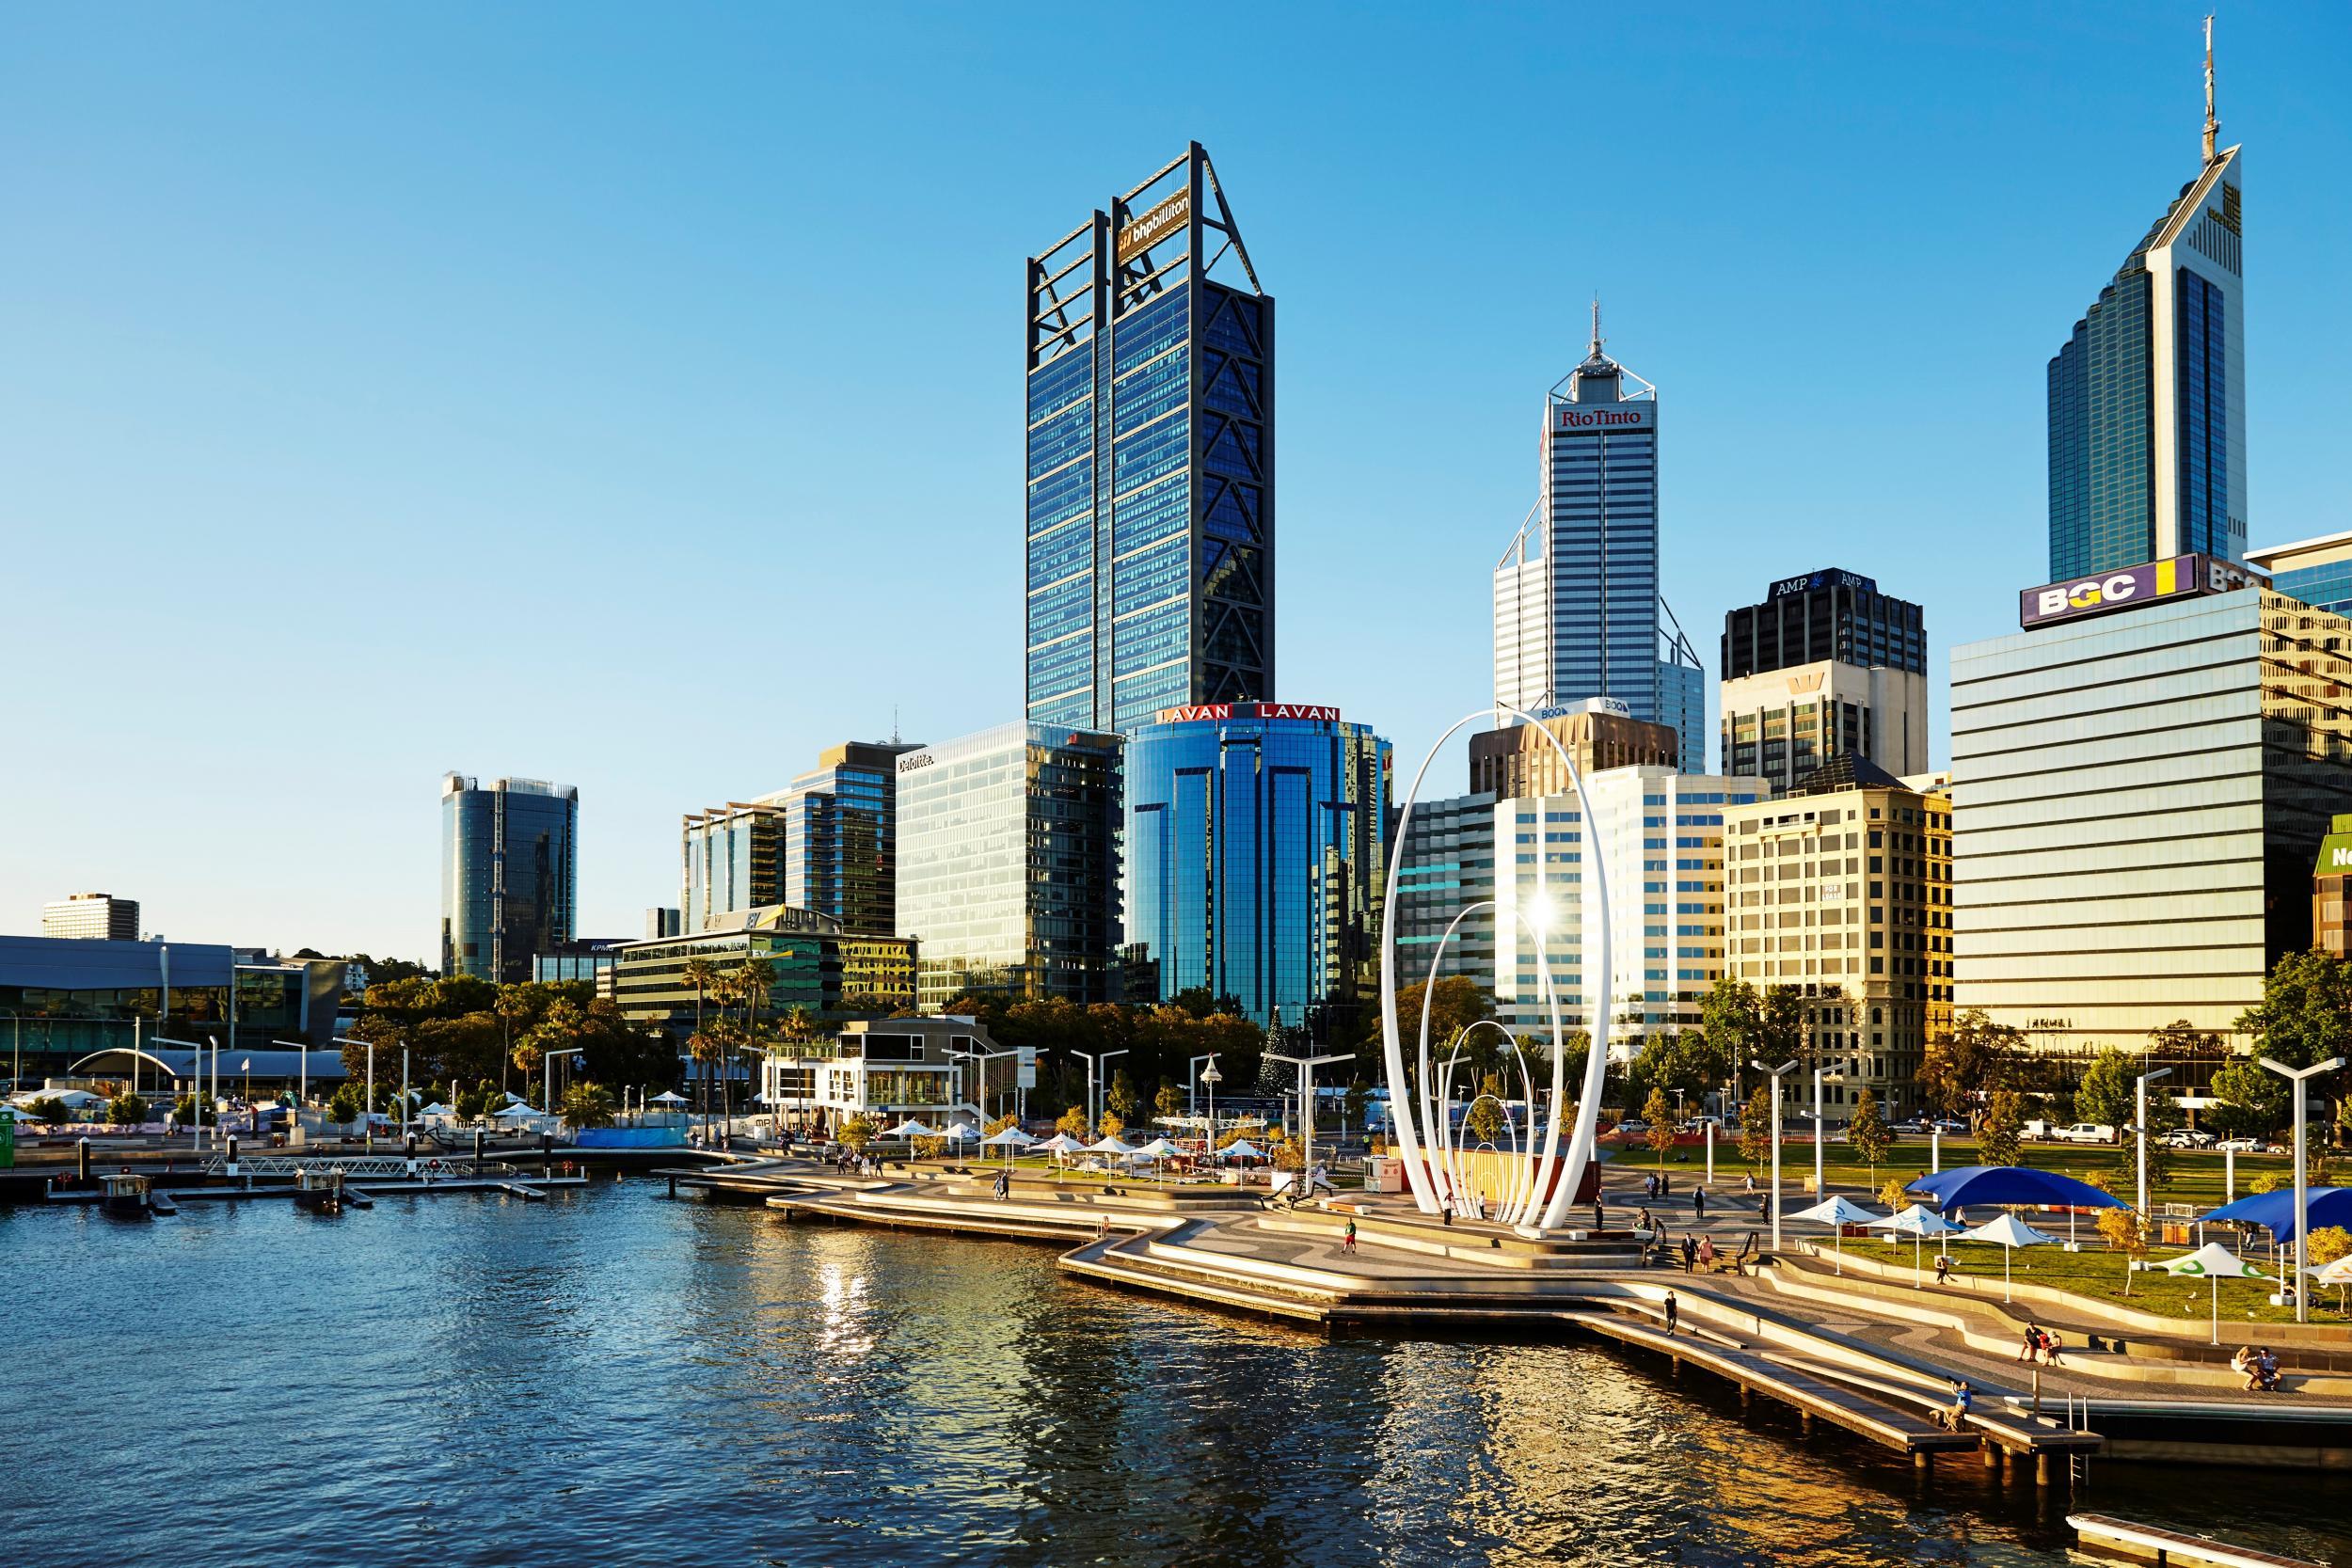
[2212, 125]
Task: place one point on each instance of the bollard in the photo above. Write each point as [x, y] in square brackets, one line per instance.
[477, 1151]
[81, 1162]
[412, 1156]
[231, 1145]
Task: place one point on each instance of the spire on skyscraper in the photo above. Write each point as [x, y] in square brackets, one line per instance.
[2212, 125]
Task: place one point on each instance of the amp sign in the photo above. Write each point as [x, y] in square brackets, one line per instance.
[2179, 577]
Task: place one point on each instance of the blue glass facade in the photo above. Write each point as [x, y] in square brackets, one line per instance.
[1149, 463]
[2147, 396]
[1256, 855]
[509, 875]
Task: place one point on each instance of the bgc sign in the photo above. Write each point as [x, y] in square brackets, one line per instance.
[2181, 576]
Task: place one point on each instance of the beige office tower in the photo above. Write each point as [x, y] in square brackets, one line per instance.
[1843, 889]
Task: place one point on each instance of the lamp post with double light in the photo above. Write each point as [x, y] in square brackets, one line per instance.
[1775, 1074]
[2139, 1129]
[2300, 1078]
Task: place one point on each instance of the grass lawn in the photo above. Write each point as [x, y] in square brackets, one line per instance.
[2098, 1273]
[2195, 1177]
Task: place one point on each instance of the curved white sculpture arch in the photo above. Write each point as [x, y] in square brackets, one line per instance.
[1415, 1115]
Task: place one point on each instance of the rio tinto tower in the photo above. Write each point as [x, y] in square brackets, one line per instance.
[1577, 614]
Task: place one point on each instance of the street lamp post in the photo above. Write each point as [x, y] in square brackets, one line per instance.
[980, 1060]
[2139, 1117]
[1094, 1120]
[1821, 1184]
[1192, 1071]
[1774, 1073]
[1306, 1066]
[1210, 1079]
[2299, 1077]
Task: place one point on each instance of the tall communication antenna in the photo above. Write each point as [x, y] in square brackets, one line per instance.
[2212, 125]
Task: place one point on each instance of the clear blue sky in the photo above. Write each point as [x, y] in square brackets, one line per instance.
[630, 396]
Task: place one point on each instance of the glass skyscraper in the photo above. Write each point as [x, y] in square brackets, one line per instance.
[510, 862]
[825, 844]
[1830, 616]
[1150, 358]
[2147, 396]
[1008, 863]
[1577, 608]
[1257, 851]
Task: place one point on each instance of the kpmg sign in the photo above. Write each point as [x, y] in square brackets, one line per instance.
[1218, 711]
[1579, 419]
[2178, 576]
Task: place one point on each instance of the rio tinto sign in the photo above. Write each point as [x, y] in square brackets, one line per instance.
[1579, 419]
[1212, 711]
[2178, 576]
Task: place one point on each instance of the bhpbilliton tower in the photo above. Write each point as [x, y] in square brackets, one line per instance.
[1577, 616]
[1149, 357]
[2147, 396]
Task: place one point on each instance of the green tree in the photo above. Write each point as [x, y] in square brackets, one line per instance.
[588, 1105]
[1755, 1127]
[2305, 1011]
[1961, 1068]
[1728, 1018]
[1869, 1133]
[1658, 1112]
[2323, 1247]
[344, 1107]
[1170, 1102]
[2127, 1231]
[2251, 1101]
[855, 1133]
[50, 1110]
[2003, 1124]
[1122, 1096]
[1358, 1099]
[2104, 1095]
[1455, 1004]
[126, 1110]
[1483, 1123]
[703, 976]
[1073, 1122]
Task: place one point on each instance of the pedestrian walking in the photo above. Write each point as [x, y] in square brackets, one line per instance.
[1751, 1180]
[1943, 1268]
[1347, 1243]
[1673, 1312]
[1698, 1203]
[1690, 1256]
[1600, 1222]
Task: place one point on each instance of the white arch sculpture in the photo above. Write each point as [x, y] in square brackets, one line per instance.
[1414, 1115]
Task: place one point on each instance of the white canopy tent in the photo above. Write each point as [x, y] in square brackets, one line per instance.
[1838, 1214]
[2011, 1233]
[2215, 1263]
[1918, 1222]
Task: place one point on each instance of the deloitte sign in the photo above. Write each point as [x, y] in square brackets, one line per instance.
[2178, 576]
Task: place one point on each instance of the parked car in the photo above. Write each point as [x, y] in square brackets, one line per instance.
[1949, 1124]
[2037, 1131]
[2240, 1145]
[1633, 1129]
[2187, 1137]
[2085, 1132]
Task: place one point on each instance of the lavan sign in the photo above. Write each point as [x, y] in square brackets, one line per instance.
[1217, 711]
[2179, 577]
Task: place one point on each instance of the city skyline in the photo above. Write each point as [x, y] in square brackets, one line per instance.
[280, 414]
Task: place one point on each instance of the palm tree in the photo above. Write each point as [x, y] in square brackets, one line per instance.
[753, 983]
[700, 973]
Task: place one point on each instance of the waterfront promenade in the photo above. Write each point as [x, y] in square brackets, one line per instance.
[1863, 1350]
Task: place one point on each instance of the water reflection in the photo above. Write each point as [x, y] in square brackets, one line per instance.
[618, 1379]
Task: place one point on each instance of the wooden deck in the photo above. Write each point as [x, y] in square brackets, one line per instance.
[2103, 1532]
[1881, 1420]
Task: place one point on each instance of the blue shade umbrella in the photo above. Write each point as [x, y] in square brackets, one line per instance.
[2010, 1187]
[2274, 1212]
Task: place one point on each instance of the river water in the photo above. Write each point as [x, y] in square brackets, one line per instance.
[616, 1378]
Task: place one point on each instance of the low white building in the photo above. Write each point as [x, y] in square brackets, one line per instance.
[933, 1069]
